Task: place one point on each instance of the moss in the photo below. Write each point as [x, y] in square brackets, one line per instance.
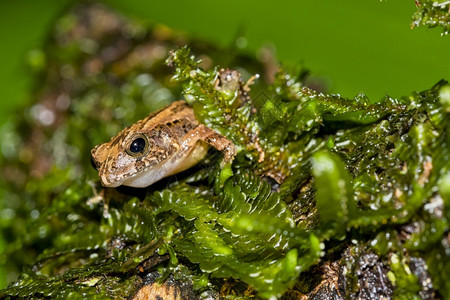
[319, 181]
[432, 14]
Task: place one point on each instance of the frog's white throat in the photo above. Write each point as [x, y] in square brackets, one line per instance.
[176, 164]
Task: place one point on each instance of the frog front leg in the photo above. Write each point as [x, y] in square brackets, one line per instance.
[212, 138]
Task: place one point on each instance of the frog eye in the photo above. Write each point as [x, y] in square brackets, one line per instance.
[139, 146]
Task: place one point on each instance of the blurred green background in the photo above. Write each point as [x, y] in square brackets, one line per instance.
[357, 46]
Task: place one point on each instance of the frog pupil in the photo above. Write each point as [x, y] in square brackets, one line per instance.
[137, 145]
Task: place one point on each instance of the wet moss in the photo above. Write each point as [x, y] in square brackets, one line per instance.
[432, 14]
[326, 195]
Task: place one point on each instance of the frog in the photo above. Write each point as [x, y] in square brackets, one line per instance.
[230, 82]
[165, 143]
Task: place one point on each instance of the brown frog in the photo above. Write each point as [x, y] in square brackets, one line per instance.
[166, 142]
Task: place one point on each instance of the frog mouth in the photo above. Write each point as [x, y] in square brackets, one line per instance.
[110, 181]
[145, 177]
[138, 174]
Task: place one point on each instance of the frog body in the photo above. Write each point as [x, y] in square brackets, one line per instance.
[164, 143]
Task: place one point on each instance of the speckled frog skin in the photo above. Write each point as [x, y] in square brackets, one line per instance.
[166, 142]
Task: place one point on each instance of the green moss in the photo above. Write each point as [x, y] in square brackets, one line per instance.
[361, 172]
[406, 285]
[432, 13]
